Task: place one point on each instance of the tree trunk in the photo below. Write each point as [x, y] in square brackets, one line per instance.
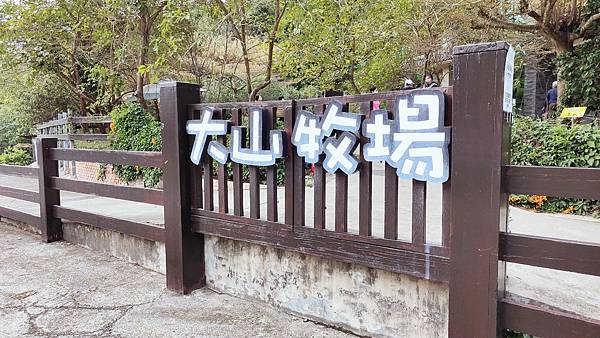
[142, 56]
[76, 75]
[561, 46]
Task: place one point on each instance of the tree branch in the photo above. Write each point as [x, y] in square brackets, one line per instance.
[279, 12]
[588, 24]
[494, 22]
[524, 9]
[547, 13]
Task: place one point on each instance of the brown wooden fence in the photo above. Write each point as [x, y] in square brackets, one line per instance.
[475, 245]
[50, 185]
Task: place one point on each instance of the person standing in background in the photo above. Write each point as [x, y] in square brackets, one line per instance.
[376, 104]
[409, 84]
[551, 101]
[429, 83]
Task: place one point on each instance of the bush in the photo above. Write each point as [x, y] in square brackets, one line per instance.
[543, 143]
[16, 156]
[134, 128]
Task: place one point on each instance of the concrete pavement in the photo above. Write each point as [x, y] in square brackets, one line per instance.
[62, 290]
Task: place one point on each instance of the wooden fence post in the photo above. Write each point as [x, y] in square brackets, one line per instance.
[184, 248]
[480, 146]
[50, 226]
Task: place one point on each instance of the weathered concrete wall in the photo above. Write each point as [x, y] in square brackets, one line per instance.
[366, 301]
[148, 254]
[363, 300]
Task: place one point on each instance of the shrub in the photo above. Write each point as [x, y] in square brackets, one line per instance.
[15, 156]
[544, 143]
[134, 128]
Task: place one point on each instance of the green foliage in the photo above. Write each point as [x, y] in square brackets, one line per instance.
[15, 156]
[136, 129]
[544, 143]
[349, 45]
[581, 73]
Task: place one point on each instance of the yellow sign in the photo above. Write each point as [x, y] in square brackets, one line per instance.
[573, 112]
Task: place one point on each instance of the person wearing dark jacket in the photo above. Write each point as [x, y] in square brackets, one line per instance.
[429, 83]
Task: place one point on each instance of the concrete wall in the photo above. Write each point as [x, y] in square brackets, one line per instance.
[366, 301]
[363, 300]
[146, 253]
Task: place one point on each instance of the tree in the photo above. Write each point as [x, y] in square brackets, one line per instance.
[235, 13]
[56, 39]
[560, 23]
[343, 45]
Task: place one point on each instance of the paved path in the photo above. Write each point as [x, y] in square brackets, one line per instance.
[62, 290]
[569, 291]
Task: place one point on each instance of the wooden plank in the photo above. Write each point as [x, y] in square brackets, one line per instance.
[76, 137]
[325, 244]
[480, 147]
[143, 195]
[16, 170]
[553, 181]
[319, 186]
[207, 178]
[19, 216]
[447, 186]
[390, 217]
[184, 248]
[20, 194]
[270, 121]
[358, 98]
[290, 152]
[419, 209]
[141, 230]
[396, 244]
[238, 183]
[446, 212]
[53, 123]
[50, 226]
[365, 188]
[341, 202]
[222, 175]
[139, 158]
[195, 170]
[320, 194]
[551, 253]
[244, 104]
[545, 322]
[90, 120]
[254, 191]
[299, 187]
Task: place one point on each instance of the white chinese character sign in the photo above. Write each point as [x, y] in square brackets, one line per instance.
[415, 141]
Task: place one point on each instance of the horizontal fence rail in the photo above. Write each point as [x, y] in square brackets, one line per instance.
[21, 194]
[76, 120]
[19, 216]
[321, 243]
[137, 229]
[553, 181]
[551, 253]
[15, 170]
[75, 137]
[51, 185]
[544, 322]
[139, 158]
[143, 195]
